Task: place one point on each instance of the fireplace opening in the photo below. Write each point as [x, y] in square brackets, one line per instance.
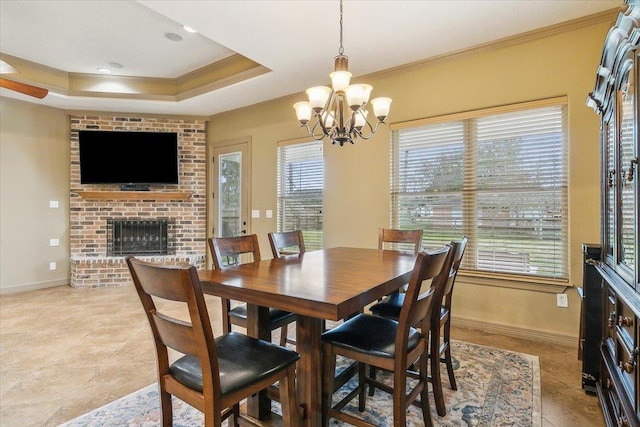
[140, 237]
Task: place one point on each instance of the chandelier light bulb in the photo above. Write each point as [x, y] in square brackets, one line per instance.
[366, 93]
[340, 80]
[360, 117]
[318, 96]
[381, 107]
[355, 96]
[303, 111]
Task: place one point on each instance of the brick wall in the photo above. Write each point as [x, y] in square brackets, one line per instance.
[90, 265]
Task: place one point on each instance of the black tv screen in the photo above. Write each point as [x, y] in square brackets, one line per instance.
[112, 157]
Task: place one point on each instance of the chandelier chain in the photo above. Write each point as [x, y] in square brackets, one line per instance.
[341, 50]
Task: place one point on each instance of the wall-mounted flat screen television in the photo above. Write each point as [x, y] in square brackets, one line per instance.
[112, 157]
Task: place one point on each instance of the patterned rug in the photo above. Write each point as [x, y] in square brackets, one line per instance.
[495, 388]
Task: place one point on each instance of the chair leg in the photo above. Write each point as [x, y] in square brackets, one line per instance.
[424, 393]
[328, 375]
[283, 335]
[399, 399]
[167, 408]
[447, 355]
[362, 385]
[226, 307]
[288, 399]
[372, 374]
[234, 418]
[436, 380]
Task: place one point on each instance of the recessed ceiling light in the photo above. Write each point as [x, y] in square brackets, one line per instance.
[173, 37]
[104, 70]
[188, 29]
[115, 65]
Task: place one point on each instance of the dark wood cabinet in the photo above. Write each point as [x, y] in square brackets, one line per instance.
[616, 99]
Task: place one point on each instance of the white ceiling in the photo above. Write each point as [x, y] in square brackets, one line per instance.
[296, 39]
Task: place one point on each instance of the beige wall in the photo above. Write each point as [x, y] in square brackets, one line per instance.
[34, 169]
[357, 177]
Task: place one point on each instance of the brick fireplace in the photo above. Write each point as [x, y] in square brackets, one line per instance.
[166, 224]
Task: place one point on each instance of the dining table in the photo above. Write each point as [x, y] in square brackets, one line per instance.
[329, 284]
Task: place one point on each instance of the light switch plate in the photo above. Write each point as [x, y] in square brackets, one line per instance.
[54, 242]
[255, 213]
[269, 213]
[53, 204]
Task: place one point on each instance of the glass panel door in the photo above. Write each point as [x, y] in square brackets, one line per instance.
[627, 179]
[610, 185]
[230, 202]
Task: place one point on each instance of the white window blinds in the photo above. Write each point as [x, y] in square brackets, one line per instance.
[300, 191]
[498, 178]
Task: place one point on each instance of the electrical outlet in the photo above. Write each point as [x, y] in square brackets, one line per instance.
[563, 300]
[52, 265]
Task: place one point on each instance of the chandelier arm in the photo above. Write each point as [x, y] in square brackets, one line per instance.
[312, 131]
[326, 110]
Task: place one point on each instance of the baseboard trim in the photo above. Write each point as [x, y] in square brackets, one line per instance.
[516, 331]
[5, 290]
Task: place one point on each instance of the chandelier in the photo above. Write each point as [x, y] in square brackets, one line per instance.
[340, 112]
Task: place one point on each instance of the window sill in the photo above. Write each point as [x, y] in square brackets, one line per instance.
[513, 282]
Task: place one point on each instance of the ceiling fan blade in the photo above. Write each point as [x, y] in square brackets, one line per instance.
[34, 91]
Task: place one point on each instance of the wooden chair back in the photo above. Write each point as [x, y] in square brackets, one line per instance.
[226, 251]
[417, 306]
[458, 251]
[400, 238]
[194, 337]
[286, 243]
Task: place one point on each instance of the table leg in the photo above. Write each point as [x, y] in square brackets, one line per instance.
[259, 405]
[309, 372]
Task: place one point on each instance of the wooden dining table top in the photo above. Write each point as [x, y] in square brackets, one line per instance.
[328, 284]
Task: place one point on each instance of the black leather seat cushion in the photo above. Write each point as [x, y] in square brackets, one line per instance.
[242, 360]
[391, 305]
[369, 335]
[275, 316]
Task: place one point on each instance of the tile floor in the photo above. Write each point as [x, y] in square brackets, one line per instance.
[65, 351]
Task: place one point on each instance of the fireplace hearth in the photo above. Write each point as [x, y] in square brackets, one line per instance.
[140, 237]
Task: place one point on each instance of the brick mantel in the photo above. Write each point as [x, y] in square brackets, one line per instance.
[185, 202]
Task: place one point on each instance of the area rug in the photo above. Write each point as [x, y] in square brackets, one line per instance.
[495, 388]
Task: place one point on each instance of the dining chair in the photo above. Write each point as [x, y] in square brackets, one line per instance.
[227, 251]
[214, 373]
[390, 238]
[285, 243]
[395, 346]
[440, 346]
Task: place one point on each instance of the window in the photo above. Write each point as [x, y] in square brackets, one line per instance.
[300, 189]
[498, 176]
